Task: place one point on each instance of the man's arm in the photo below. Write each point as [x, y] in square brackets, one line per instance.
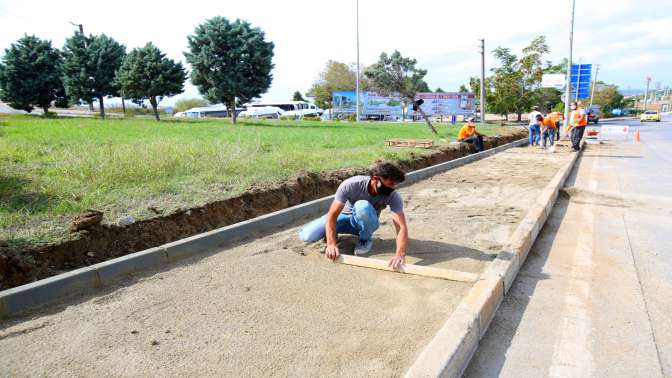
[330, 229]
[399, 220]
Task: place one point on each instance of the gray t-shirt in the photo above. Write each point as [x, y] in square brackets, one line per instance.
[356, 188]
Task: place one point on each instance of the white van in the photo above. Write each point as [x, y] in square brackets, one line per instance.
[292, 109]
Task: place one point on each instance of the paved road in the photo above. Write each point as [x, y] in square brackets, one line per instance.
[595, 295]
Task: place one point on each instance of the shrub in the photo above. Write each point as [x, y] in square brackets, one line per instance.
[189, 103]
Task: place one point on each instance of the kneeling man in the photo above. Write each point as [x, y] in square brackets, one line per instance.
[356, 209]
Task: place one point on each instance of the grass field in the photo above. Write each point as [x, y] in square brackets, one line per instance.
[52, 169]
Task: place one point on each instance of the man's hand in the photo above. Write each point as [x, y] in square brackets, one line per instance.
[396, 262]
[332, 252]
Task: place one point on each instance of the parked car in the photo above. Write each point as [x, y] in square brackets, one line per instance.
[594, 113]
[650, 115]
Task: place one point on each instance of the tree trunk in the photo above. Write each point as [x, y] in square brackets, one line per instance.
[123, 105]
[102, 107]
[232, 110]
[45, 110]
[91, 106]
[429, 123]
[152, 100]
[520, 116]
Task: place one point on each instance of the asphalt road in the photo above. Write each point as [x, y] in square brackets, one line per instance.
[594, 297]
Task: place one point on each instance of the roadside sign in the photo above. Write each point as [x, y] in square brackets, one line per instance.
[580, 80]
[614, 133]
[556, 81]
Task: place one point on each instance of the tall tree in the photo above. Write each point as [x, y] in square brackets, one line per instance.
[395, 74]
[30, 74]
[230, 60]
[607, 96]
[147, 74]
[297, 96]
[90, 67]
[516, 80]
[336, 76]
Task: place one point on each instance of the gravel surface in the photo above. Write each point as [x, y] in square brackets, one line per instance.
[275, 307]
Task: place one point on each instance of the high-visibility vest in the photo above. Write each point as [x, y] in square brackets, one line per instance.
[580, 120]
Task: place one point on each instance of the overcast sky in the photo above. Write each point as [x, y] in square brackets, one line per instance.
[628, 40]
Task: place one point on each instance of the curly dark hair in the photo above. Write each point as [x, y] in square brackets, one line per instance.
[387, 170]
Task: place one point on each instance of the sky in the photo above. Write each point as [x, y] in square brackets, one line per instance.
[629, 41]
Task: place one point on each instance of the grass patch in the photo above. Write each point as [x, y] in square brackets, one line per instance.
[51, 169]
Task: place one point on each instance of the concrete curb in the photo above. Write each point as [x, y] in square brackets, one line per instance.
[51, 290]
[449, 353]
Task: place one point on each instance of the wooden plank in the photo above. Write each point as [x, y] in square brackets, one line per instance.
[422, 143]
[418, 270]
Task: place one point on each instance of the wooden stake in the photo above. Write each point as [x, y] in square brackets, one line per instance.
[418, 270]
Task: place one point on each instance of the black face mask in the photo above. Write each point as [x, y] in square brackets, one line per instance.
[384, 190]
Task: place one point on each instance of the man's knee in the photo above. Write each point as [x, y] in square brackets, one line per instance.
[312, 232]
[366, 213]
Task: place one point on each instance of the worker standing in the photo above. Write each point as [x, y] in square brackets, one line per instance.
[577, 122]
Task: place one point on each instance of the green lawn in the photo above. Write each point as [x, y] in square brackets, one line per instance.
[51, 169]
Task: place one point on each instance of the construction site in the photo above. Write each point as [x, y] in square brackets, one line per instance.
[273, 305]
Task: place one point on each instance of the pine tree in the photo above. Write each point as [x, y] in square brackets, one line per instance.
[90, 67]
[146, 74]
[230, 61]
[30, 74]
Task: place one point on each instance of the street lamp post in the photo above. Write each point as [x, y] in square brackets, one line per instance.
[482, 81]
[569, 66]
[646, 94]
[357, 81]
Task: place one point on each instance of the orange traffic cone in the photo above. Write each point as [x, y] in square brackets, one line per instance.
[637, 137]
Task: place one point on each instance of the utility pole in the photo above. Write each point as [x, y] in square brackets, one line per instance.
[646, 94]
[482, 80]
[569, 66]
[81, 31]
[357, 84]
[592, 92]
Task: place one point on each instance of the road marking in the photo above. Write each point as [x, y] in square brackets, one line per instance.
[571, 354]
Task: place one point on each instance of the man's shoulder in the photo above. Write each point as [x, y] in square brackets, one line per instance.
[354, 181]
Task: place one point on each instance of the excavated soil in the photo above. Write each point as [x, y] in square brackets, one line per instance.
[108, 241]
[274, 306]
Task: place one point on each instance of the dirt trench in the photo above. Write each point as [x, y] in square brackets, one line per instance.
[108, 241]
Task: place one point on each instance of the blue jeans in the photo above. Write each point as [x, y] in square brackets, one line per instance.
[362, 222]
[550, 135]
[535, 135]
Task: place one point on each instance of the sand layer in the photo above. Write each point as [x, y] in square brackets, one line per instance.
[274, 307]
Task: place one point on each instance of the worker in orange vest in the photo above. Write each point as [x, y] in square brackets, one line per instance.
[577, 122]
[468, 134]
[548, 129]
[557, 119]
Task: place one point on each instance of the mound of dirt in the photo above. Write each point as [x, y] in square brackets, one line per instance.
[101, 242]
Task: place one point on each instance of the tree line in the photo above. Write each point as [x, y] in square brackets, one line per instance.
[230, 61]
[513, 86]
